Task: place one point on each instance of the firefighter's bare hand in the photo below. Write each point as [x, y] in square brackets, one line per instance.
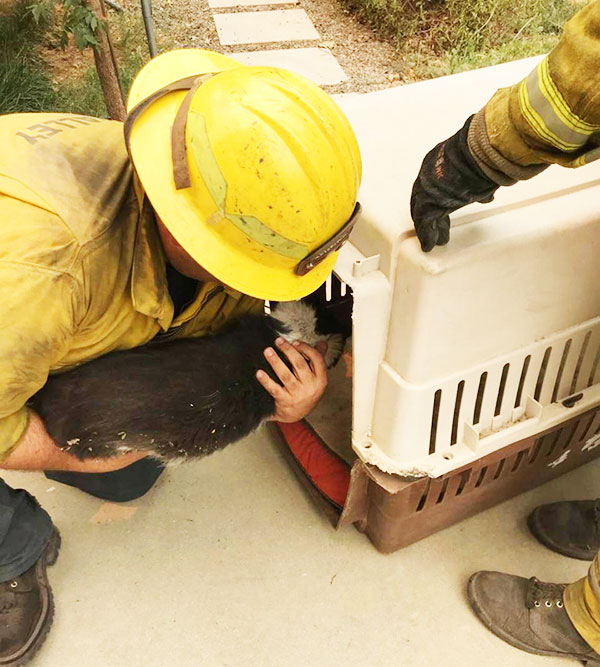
[300, 388]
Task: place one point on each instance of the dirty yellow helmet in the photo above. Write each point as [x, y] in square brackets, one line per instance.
[253, 170]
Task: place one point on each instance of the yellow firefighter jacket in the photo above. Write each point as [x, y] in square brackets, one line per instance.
[82, 270]
[552, 116]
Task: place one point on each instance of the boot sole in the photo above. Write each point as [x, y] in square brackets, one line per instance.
[540, 536]
[42, 628]
[509, 639]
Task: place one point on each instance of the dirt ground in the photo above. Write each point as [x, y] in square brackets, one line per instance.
[66, 64]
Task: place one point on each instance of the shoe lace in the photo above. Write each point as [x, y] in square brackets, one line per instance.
[7, 595]
[540, 593]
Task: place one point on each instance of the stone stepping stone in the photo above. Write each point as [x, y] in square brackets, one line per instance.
[278, 25]
[316, 64]
[219, 4]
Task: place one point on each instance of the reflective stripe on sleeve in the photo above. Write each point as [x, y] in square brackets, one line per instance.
[549, 115]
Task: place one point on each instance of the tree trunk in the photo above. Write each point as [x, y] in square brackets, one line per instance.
[106, 66]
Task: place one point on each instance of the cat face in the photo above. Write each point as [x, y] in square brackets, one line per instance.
[301, 321]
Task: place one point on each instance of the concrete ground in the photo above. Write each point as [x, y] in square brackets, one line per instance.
[227, 563]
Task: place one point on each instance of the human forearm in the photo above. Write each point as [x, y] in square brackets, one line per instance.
[36, 450]
[553, 115]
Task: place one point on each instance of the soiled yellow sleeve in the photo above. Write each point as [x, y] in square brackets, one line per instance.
[553, 115]
[39, 314]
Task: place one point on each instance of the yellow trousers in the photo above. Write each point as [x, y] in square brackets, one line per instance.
[582, 602]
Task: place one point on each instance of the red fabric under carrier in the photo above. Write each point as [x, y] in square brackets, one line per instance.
[326, 470]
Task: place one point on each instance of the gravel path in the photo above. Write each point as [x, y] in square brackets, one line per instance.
[369, 63]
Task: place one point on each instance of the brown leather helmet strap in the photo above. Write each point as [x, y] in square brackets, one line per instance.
[181, 172]
[332, 245]
[179, 156]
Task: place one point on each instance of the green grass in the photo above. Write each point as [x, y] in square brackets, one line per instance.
[81, 96]
[23, 86]
[437, 37]
[24, 82]
[84, 95]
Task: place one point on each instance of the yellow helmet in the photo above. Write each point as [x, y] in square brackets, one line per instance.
[253, 170]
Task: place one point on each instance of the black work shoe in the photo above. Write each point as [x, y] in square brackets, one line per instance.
[26, 609]
[117, 486]
[570, 528]
[528, 614]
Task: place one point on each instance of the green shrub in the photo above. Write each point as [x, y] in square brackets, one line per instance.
[438, 37]
[20, 29]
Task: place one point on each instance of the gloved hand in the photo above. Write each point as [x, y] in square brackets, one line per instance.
[448, 180]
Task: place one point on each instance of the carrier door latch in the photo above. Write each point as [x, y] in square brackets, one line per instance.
[570, 401]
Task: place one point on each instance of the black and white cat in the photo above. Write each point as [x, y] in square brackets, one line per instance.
[174, 399]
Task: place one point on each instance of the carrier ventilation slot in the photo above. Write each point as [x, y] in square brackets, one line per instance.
[464, 478]
[459, 394]
[580, 359]
[334, 288]
[561, 368]
[501, 388]
[437, 399]
[481, 477]
[542, 373]
[328, 289]
[586, 431]
[592, 376]
[443, 491]
[554, 442]
[423, 498]
[536, 449]
[524, 370]
[499, 469]
[568, 441]
[519, 459]
[479, 399]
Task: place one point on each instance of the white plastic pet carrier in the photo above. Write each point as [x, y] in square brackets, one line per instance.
[491, 342]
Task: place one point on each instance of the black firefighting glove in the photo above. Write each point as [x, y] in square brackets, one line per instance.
[448, 180]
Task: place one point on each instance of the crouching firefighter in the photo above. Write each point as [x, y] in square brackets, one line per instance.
[226, 186]
[551, 117]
